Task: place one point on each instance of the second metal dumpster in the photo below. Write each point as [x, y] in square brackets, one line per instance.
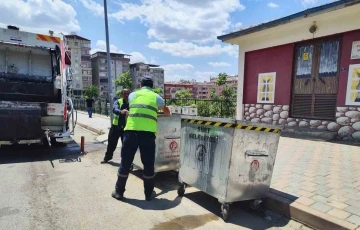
[167, 153]
[231, 161]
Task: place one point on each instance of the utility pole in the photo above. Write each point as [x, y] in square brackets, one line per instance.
[108, 63]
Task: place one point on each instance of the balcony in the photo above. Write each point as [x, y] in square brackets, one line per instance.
[85, 58]
[85, 46]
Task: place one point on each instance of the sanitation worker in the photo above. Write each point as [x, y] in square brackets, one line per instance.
[140, 132]
[120, 109]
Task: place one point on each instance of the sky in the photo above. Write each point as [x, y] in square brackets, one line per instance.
[178, 35]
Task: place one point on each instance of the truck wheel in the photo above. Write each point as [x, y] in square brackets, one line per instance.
[225, 211]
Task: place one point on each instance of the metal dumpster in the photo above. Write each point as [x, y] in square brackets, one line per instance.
[227, 159]
[167, 153]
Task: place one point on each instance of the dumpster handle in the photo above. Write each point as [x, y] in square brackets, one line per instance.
[256, 153]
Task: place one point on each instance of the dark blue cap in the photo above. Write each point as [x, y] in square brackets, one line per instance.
[146, 79]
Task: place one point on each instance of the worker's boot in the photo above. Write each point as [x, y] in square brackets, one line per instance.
[150, 197]
[149, 188]
[106, 160]
[119, 188]
[117, 195]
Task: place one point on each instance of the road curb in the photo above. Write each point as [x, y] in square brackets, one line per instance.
[304, 214]
[94, 114]
[97, 131]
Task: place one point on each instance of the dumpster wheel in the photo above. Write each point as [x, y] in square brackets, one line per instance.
[255, 205]
[181, 190]
[225, 211]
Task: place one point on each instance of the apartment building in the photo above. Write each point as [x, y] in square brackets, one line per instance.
[140, 69]
[120, 63]
[201, 90]
[79, 48]
[171, 88]
[229, 81]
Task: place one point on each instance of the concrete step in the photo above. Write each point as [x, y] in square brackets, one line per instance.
[309, 134]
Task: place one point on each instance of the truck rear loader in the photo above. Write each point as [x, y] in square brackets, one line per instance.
[35, 84]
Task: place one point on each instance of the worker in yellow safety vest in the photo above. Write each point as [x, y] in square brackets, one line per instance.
[140, 132]
[120, 110]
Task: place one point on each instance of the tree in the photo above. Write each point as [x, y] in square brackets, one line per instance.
[124, 80]
[158, 90]
[91, 92]
[183, 94]
[221, 79]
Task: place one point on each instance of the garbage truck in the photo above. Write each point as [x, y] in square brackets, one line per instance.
[35, 84]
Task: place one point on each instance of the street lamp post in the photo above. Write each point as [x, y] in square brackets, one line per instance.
[108, 62]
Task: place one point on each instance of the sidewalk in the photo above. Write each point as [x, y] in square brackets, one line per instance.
[317, 183]
[98, 123]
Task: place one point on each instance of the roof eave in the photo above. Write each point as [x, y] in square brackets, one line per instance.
[288, 19]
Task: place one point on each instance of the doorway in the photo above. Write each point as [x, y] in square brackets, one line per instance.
[316, 79]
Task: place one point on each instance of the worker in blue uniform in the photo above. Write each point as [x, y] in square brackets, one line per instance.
[140, 132]
[120, 110]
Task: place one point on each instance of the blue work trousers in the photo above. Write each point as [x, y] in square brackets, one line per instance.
[133, 140]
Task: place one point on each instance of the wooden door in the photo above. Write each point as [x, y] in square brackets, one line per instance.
[316, 78]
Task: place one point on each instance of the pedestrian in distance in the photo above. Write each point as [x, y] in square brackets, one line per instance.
[140, 132]
[89, 105]
[120, 110]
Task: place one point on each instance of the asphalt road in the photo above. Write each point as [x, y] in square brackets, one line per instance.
[57, 188]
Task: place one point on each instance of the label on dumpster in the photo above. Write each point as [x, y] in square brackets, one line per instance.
[172, 147]
[205, 134]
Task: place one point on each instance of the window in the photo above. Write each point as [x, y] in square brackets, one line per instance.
[85, 45]
[304, 61]
[266, 88]
[329, 56]
[76, 43]
[75, 51]
[76, 65]
[353, 87]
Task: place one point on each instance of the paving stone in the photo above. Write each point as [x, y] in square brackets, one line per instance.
[339, 213]
[305, 201]
[349, 190]
[355, 219]
[309, 188]
[320, 198]
[352, 209]
[305, 193]
[308, 183]
[321, 207]
[349, 185]
[337, 204]
[353, 202]
[334, 185]
[353, 196]
[323, 193]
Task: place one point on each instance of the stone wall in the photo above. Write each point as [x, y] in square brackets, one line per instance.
[347, 124]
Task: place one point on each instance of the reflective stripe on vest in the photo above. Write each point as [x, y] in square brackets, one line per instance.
[143, 112]
[116, 117]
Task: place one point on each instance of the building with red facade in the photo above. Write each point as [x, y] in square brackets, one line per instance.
[172, 87]
[303, 70]
[199, 90]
